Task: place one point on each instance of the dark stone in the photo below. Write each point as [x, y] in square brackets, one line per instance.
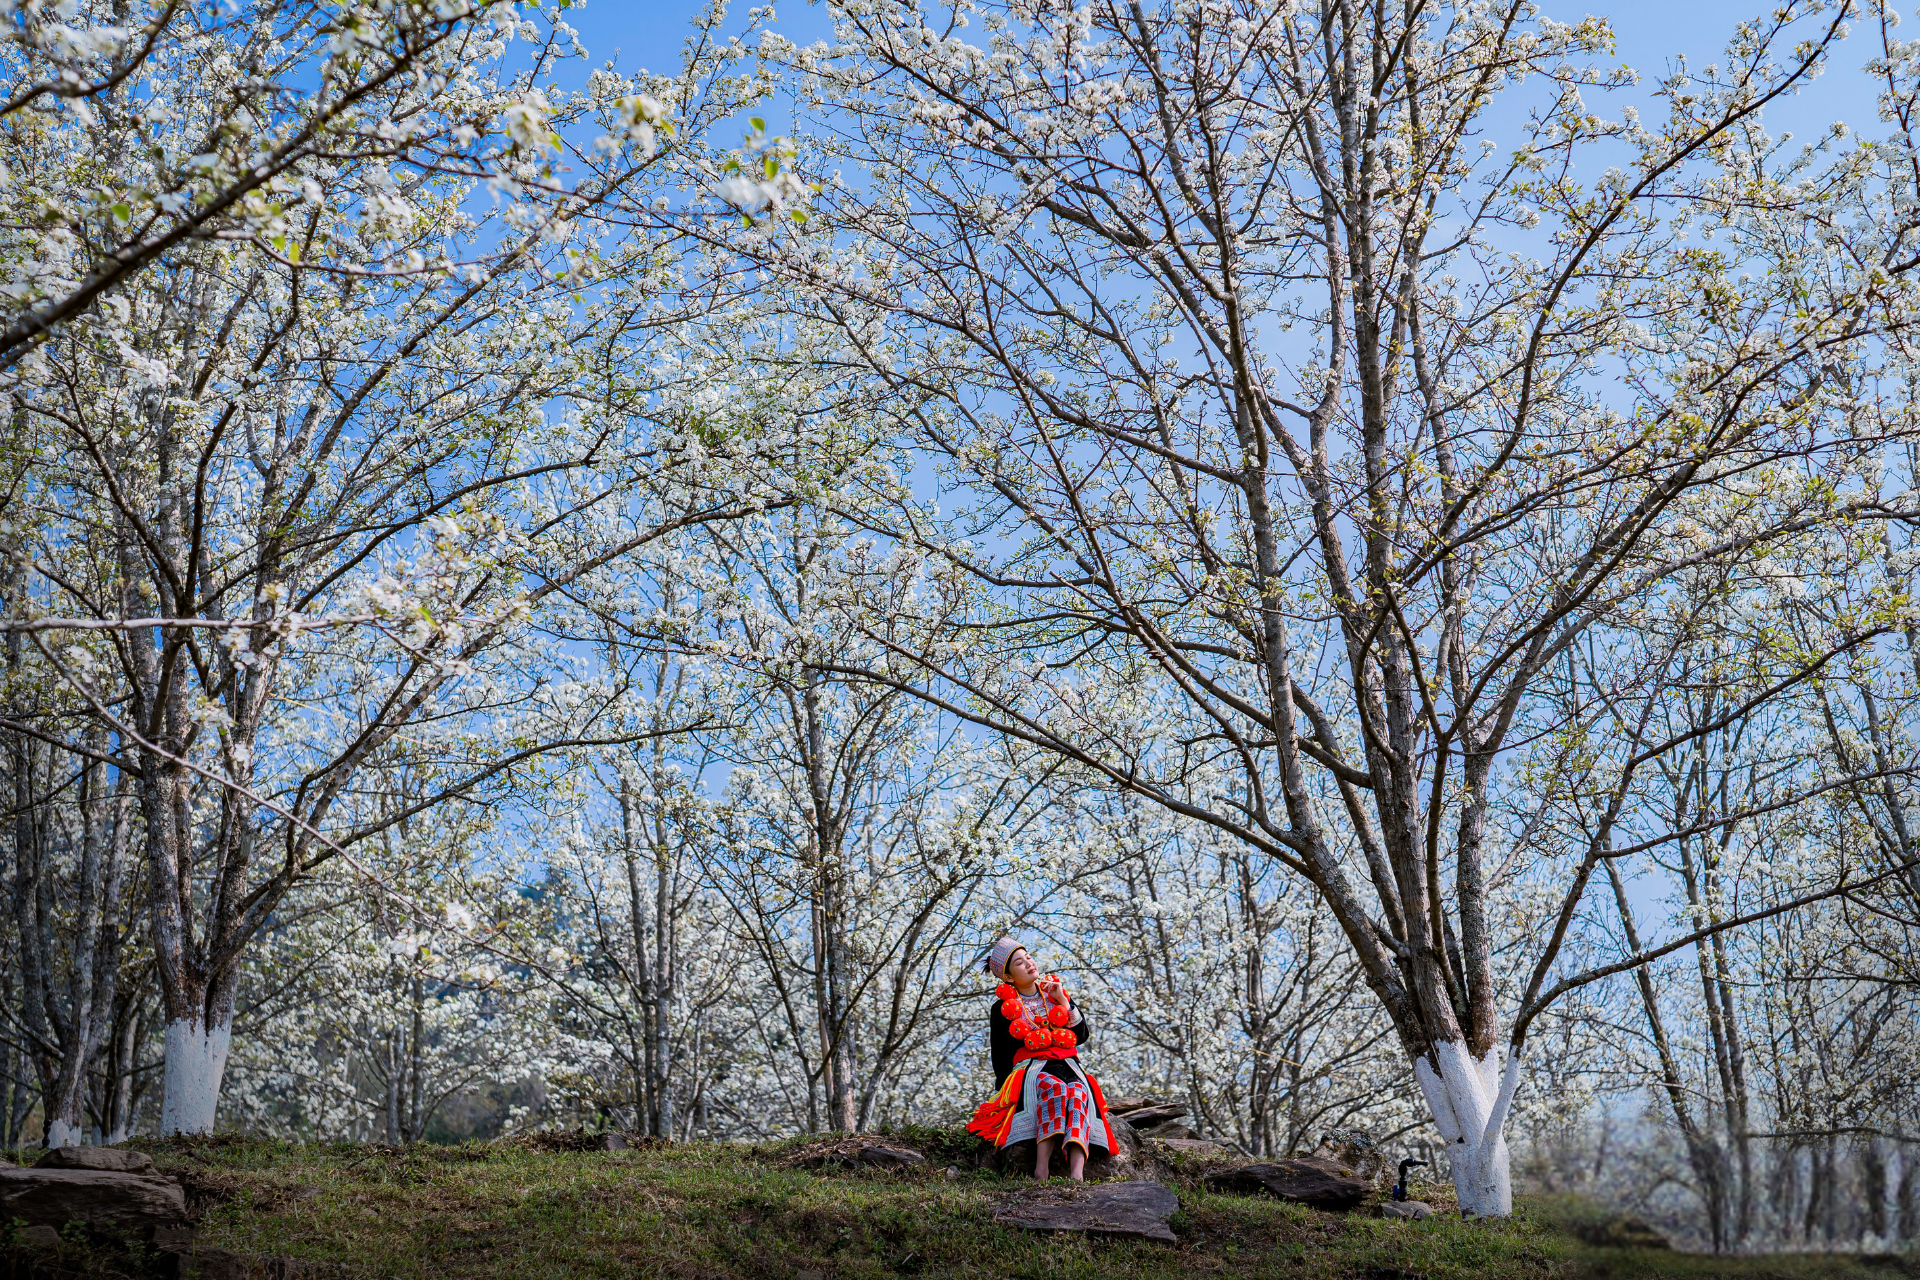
[1621, 1232]
[1169, 1129]
[38, 1236]
[1121, 1106]
[1112, 1208]
[1411, 1210]
[614, 1140]
[1320, 1184]
[1123, 1162]
[105, 1159]
[100, 1198]
[1126, 1138]
[1146, 1117]
[1357, 1150]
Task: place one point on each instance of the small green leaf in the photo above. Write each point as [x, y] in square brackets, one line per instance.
[123, 213]
[759, 125]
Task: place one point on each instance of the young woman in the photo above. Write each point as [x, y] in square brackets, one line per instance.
[1042, 1094]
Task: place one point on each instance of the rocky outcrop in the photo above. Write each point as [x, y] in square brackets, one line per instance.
[1153, 1118]
[1170, 1129]
[1113, 1208]
[1148, 1116]
[1358, 1151]
[103, 1159]
[1317, 1183]
[151, 1207]
[1123, 1163]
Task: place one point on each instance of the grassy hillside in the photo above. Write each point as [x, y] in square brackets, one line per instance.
[516, 1210]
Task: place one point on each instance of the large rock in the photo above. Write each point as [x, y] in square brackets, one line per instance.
[1169, 1129]
[884, 1157]
[1320, 1184]
[1358, 1151]
[1201, 1148]
[1123, 1163]
[1112, 1208]
[1410, 1210]
[1147, 1117]
[105, 1159]
[152, 1207]
[1120, 1106]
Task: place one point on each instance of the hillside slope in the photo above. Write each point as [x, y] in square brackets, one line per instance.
[513, 1209]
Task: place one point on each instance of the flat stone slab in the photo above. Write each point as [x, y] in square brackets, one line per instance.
[1317, 1183]
[1205, 1148]
[1147, 1117]
[1108, 1209]
[97, 1197]
[1411, 1210]
[103, 1159]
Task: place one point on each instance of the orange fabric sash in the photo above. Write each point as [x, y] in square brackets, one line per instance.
[995, 1116]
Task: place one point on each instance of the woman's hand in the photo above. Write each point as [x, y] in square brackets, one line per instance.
[1055, 991]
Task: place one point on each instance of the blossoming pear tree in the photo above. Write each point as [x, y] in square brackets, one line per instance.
[311, 476]
[1343, 369]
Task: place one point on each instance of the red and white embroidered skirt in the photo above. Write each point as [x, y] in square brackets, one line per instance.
[1064, 1110]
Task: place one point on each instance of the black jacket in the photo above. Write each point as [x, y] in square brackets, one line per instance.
[1002, 1046]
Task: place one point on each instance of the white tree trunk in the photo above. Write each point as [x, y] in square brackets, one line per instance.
[196, 1061]
[1469, 1099]
[62, 1134]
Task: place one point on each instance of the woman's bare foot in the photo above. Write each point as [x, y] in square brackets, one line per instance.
[1043, 1158]
[1076, 1162]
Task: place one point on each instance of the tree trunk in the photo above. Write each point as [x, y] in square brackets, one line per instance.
[1469, 1098]
[195, 1065]
[130, 1025]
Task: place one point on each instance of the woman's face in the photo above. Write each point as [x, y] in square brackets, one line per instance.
[1022, 972]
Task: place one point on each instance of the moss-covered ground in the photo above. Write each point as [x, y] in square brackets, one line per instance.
[526, 1211]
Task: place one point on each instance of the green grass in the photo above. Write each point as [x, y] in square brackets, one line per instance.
[508, 1210]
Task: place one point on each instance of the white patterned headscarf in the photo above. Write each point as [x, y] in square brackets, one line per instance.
[998, 955]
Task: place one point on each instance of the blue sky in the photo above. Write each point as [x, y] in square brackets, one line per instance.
[648, 33]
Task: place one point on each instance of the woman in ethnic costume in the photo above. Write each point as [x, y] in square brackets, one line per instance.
[1042, 1094]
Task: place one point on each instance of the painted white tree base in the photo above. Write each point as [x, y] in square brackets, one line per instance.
[1469, 1099]
[62, 1134]
[196, 1061]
